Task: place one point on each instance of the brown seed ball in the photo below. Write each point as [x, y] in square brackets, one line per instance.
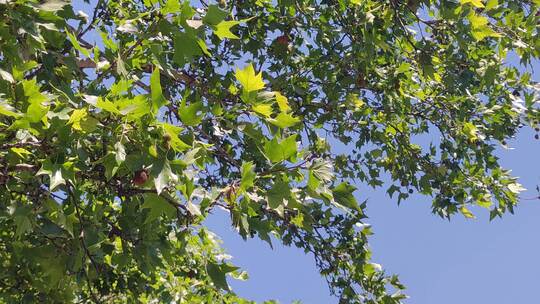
[141, 176]
[167, 141]
[361, 80]
[282, 40]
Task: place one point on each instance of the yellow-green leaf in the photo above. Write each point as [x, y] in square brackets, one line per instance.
[476, 3]
[284, 120]
[282, 102]
[21, 152]
[277, 151]
[223, 29]
[466, 212]
[480, 27]
[263, 108]
[7, 110]
[156, 92]
[470, 131]
[249, 80]
[76, 44]
[36, 110]
[173, 131]
[491, 4]
[76, 117]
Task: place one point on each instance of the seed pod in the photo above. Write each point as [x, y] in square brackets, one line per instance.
[361, 80]
[282, 40]
[230, 193]
[167, 141]
[140, 178]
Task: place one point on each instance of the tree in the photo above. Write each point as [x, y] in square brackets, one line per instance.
[122, 130]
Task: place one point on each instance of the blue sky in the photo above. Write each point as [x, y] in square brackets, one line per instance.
[440, 261]
[461, 261]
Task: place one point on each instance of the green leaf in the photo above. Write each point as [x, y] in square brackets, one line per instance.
[188, 114]
[189, 157]
[81, 121]
[516, 188]
[7, 110]
[6, 76]
[204, 48]
[173, 131]
[120, 66]
[120, 152]
[477, 21]
[263, 108]
[156, 92]
[278, 195]
[193, 209]
[466, 212]
[76, 117]
[484, 202]
[491, 4]
[249, 80]
[279, 151]
[134, 108]
[223, 30]
[322, 170]
[36, 110]
[282, 102]
[108, 42]
[76, 44]
[172, 6]
[214, 15]
[284, 120]
[110, 164]
[475, 3]
[107, 106]
[480, 27]
[54, 172]
[187, 46]
[158, 206]
[470, 130]
[164, 178]
[343, 195]
[217, 274]
[354, 101]
[21, 217]
[21, 152]
[248, 176]
[52, 5]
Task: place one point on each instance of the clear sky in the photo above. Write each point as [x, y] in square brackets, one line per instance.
[461, 261]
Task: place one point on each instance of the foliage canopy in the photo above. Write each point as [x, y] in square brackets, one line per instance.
[122, 130]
